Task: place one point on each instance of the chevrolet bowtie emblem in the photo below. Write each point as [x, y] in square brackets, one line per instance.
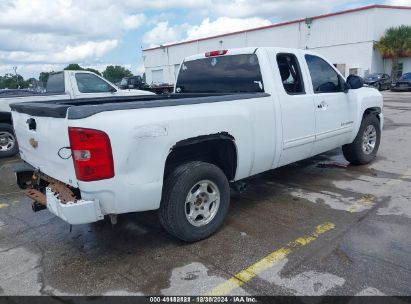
[34, 143]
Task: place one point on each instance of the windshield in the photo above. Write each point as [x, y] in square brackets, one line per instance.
[222, 74]
[373, 77]
[406, 76]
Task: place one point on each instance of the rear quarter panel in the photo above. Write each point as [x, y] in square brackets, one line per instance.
[141, 140]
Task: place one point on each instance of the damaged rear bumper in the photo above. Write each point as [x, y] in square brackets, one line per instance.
[57, 197]
[79, 212]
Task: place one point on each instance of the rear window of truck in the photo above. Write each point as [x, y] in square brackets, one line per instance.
[55, 83]
[221, 74]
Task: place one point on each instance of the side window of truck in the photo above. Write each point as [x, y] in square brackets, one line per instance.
[89, 83]
[324, 78]
[290, 74]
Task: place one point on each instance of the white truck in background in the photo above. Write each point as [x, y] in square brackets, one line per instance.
[60, 85]
[235, 113]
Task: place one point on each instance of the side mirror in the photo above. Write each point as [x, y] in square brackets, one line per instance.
[355, 82]
[112, 90]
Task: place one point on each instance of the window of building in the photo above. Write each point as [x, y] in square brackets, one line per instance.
[290, 73]
[89, 83]
[157, 76]
[354, 71]
[324, 78]
[400, 69]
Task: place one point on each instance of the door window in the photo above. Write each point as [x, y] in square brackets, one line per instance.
[89, 83]
[290, 74]
[324, 78]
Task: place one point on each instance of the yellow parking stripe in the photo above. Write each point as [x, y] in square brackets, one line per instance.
[269, 261]
[3, 205]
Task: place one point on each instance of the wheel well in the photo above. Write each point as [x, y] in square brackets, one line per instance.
[218, 149]
[373, 111]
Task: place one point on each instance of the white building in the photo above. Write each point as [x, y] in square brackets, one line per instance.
[346, 38]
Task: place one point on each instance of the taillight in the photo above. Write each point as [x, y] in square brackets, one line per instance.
[216, 53]
[92, 155]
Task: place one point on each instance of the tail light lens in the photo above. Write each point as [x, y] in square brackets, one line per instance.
[92, 155]
[216, 53]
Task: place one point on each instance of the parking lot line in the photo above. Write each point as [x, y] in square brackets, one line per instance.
[269, 261]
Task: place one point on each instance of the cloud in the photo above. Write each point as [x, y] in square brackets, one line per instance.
[162, 33]
[62, 31]
[69, 54]
[134, 21]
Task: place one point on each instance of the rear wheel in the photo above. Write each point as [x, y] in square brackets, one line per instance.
[195, 201]
[8, 142]
[365, 145]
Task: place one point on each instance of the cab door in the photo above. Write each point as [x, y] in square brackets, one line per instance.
[297, 109]
[334, 109]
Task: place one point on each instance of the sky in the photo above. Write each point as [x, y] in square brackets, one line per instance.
[44, 35]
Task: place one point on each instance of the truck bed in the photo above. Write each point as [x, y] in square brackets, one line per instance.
[82, 108]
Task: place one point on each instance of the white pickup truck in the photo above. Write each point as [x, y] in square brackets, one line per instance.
[234, 113]
[60, 85]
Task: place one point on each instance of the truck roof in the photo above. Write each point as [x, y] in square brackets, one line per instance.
[244, 50]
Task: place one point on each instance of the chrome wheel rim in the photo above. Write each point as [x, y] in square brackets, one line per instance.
[369, 139]
[202, 203]
[7, 141]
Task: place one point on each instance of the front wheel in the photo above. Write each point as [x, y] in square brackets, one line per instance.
[8, 142]
[195, 201]
[365, 145]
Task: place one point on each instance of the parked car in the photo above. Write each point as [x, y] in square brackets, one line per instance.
[136, 82]
[236, 113]
[380, 81]
[60, 85]
[403, 83]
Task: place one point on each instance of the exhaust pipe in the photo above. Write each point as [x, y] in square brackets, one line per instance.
[239, 186]
[36, 206]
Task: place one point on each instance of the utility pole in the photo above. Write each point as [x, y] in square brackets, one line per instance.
[17, 78]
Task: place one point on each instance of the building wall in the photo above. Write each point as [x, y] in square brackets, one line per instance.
[345, 39]
[406, 65]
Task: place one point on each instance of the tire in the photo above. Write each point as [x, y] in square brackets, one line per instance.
[181, 185]
[377, 86]
[8, 141]
[356, 152]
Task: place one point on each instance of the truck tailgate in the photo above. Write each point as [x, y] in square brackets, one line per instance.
[45, 145]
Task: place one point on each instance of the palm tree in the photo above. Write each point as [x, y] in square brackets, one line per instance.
[395, 43]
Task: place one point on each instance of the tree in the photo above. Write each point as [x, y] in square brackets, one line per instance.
[10, 81]
[116, 73]
[395, 43]
[74, 67]
[43, 77]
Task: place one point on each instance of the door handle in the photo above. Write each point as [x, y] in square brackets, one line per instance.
[322, 105]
